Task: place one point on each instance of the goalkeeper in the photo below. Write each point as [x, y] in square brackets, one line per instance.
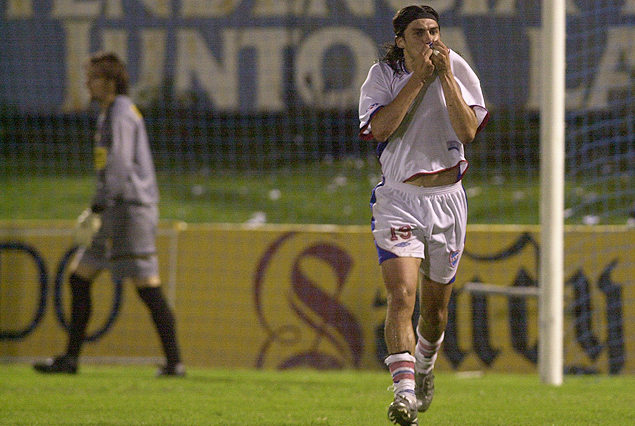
[118, 231]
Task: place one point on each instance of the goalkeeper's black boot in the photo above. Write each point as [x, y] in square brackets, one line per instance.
[62, 364]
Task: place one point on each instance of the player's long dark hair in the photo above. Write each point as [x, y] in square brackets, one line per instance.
[393, 54]
[113, 68]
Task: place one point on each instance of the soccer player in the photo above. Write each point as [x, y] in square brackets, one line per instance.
[422, 103]
[123, 216]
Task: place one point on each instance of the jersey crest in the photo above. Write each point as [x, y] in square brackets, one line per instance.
[454, 258]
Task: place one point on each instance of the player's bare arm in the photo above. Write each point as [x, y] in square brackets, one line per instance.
[462, 116]
[387, 119]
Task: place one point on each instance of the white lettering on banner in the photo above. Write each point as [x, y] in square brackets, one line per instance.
[113, 9]
[616, 68]
[454, 37]
[502, 7]
[77, 51]
[23, 9]
[220, 83]
[116, 41]
[19, 9]
[482, 7]
[361, 7]
[207, 8]
[269, 44]
[151, 65]
[198, 66]
[628, 8]
[76, 9]
[196, 63]
[574, 96]
[614, 73]
[440, 6]
[212, 67]
[309, 73]
[310, 8]
[151, 62]
[572, 8]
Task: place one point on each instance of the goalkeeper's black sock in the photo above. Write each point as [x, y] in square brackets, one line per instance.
[81, 307]
[164, 321]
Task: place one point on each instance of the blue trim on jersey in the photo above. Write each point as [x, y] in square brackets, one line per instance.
[373, 200]
[381, 146]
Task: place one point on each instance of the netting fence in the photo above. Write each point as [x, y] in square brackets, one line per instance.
[251, 108]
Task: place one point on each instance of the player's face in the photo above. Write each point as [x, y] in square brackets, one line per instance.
[418, 33]
[99, 87]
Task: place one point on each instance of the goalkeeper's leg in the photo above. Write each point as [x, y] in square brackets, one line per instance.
[164, 321]
[80, 314]
[81, 308]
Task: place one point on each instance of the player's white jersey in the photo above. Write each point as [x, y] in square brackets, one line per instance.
[425, 142]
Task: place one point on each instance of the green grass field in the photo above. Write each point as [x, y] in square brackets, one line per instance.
[130, 395]
[317, 193]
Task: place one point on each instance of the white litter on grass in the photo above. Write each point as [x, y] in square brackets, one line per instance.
[590, 219]
[328, 159]
[519, 195]
[198, 190]
[590, 197]
[568, 213]
[469, 374]
[498, 180]
[473, 192]
[630, 222]
[340, 180]
[257, 218]
[275, 194]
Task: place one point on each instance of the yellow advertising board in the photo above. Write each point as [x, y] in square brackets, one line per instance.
[277, 297]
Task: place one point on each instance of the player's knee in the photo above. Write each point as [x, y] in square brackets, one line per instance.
[146, 282]
[401, 298]
[435, 318]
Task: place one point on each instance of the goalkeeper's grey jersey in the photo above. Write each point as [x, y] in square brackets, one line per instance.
[123, 160]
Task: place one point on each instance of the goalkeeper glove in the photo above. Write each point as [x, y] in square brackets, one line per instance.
[87, 225]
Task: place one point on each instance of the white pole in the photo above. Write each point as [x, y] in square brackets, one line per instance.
[552, 127]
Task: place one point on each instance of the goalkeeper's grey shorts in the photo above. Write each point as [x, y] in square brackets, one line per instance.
[126, 242]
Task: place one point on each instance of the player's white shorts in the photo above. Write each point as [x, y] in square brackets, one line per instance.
[428, 223]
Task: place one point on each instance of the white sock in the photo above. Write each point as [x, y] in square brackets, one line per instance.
[426, 353]
[402, 369]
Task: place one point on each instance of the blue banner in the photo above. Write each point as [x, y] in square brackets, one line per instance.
[263, 55]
